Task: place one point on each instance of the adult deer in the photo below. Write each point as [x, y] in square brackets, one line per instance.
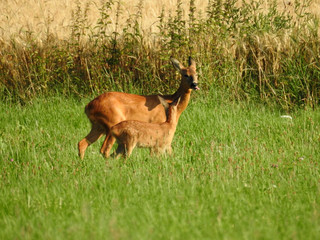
[156, 136]
[111, 108]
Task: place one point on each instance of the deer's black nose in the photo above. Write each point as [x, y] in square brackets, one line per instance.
[194, 86]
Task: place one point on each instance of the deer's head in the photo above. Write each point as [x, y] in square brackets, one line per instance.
[189, 77]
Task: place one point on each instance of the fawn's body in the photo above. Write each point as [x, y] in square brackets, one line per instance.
[112, 108]
[157, 137]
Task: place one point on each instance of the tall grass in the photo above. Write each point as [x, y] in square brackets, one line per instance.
[250, 49]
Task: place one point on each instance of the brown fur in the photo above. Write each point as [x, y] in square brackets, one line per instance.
[111, 108]
[156, 136]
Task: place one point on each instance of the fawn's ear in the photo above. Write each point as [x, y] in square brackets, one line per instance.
[192, 63]
[176, 64]
[175, 102]
[163, 102]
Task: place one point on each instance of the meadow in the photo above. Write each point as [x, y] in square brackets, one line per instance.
[238, 171]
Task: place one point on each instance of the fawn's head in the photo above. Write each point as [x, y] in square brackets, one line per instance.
[189, 77]
[170, 108]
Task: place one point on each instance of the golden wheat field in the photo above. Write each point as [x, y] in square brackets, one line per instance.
[42, 17]
[55, 16]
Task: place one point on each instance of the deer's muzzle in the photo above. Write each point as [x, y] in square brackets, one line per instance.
[194, 86]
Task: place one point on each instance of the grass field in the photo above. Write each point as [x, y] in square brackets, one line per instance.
[239, 171]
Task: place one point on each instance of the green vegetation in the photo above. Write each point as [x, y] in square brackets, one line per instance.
[250, 49]
[239, 171]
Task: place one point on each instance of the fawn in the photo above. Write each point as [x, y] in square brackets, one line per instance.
[156, 136]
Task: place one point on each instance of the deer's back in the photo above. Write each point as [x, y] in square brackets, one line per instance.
[114, 107]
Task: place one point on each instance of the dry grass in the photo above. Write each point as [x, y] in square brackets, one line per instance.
[20, 16]
[44, 17]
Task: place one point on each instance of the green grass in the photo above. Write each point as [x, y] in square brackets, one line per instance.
[239, 171]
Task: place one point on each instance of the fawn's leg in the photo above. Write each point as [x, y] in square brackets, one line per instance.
[169, 150]
[120, 150]
[129, 149]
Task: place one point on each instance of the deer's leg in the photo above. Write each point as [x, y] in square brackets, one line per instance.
[110, 139]
[95, 133]
[104, 144]
[120, 150]
[169, 150]
[153, 151]
[129, 149]
[157, 150]
[107, 144]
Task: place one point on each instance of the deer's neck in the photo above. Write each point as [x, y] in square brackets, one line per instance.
[184, 100]
[171, 123]
[171, 117]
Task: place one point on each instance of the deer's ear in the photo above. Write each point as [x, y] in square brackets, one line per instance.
[176, 64]
[163, 102]
[192, 63]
